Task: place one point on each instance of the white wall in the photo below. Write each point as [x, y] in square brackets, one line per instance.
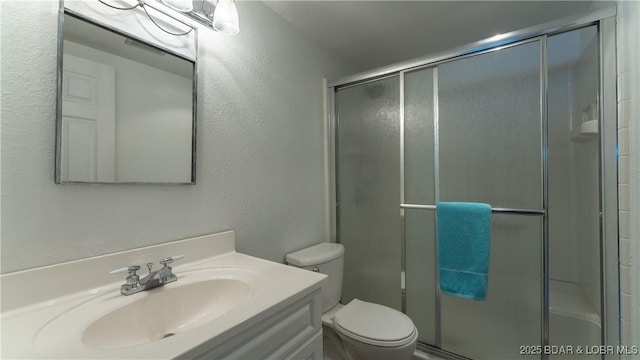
[628, 55]
[260, 148]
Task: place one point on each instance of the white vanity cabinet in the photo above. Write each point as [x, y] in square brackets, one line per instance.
[293, 331]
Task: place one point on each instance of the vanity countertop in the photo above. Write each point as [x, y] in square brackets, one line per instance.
[34, 330]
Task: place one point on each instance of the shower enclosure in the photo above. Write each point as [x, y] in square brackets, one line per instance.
[526, 124]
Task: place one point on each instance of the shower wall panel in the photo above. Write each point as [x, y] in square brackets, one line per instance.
[586, 166]
[574, 162]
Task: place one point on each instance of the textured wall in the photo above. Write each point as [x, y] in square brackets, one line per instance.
[628, 48]
[260, 148]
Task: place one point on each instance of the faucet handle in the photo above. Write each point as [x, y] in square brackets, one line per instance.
[165, 273]
[132, 280]
[168, 260]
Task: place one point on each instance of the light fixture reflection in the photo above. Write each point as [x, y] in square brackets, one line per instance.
[225, 17]
[498, 37]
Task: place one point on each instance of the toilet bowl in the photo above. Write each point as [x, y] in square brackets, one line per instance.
[358, 330]
[372, 331]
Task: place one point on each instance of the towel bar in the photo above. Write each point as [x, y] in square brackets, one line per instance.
[493, 210]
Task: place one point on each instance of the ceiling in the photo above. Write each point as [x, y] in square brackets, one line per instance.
[370, 34]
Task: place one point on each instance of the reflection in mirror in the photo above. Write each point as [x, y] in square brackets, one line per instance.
[127, 109]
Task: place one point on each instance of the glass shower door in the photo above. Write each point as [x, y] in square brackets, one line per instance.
[486, 147]
[419, 188]
[368, 190]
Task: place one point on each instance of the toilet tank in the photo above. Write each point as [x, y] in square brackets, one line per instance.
[328, 259]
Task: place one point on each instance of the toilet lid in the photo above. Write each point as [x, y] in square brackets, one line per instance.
[374, 323]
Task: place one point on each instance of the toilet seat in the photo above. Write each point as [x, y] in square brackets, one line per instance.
[374, 324]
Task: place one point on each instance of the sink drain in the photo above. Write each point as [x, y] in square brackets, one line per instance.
[167, 335]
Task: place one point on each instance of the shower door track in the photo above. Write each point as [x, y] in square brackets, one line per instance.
[493, 210]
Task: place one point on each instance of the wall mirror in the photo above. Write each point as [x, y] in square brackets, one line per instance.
[126, 108]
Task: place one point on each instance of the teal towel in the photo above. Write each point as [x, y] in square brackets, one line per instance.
[464, 240]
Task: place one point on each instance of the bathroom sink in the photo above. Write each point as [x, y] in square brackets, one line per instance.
[165, 313]
[114, 321]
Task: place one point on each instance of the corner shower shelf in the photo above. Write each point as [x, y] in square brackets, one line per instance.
[586, 131]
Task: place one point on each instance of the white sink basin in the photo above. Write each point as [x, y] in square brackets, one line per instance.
[113, 321]
[165, 313]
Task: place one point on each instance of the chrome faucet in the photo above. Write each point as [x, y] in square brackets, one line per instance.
[134, 284]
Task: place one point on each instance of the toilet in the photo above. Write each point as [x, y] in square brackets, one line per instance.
[358, 330]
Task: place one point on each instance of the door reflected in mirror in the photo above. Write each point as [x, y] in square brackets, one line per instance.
[127, 109]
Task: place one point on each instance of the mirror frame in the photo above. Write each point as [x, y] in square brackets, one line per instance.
[63, 11]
